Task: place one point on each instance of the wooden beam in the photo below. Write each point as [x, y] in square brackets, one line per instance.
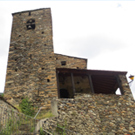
[58, 88]
[91, 84]
[73, 84]
[119, 84]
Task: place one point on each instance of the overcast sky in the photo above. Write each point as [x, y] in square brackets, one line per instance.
[101, 31]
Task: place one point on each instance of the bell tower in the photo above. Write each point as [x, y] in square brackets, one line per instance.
[31, 67]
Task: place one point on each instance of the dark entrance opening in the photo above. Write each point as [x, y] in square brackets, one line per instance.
[64, 93]
[65, 85]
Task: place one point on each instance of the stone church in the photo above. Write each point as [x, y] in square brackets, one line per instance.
[36, 72]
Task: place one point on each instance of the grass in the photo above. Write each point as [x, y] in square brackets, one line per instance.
[18, 108]
[44, 115]
[21, 121]
[61, 130]
[2, 94]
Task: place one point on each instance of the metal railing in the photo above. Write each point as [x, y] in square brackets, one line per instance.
[14, 123]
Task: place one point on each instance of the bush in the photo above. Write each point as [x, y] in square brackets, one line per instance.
[26, 107]
[41, 131]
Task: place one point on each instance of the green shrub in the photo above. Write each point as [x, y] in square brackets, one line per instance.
[41, 131]
[26, 107]
[2, 94]
[61, 130]
[44, 114]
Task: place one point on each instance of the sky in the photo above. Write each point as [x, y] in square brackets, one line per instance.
[101, 31]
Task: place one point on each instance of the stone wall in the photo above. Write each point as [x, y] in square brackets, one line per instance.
[6, 110]
[92, 114]
[5, 104]
[71, 62]
[31, 67]
[95, 114]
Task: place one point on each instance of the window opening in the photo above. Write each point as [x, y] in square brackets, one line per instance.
[30, 56]
[29, 13]
[78, 82]
[48, 80]
[30, 24]
[19, 35]
[43, 68]
[63, 63]
[42, 32]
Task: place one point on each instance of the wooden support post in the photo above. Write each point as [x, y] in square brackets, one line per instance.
[119, 84]
[73, 84]
[57, 75]
[91, 84]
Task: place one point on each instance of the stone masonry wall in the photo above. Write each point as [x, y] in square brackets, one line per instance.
[96, 114]
[6, 109]
[71, 62]
[31, 67]
[5, 104]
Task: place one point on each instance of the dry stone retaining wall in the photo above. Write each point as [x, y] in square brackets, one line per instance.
[95, 114]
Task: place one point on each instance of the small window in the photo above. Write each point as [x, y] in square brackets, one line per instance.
[29, 13]
[63, 63]
[30, 24]
[30, 56]
[48, 80]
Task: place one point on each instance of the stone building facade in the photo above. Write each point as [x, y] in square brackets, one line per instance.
[35, 71]
[32, 64]
[85, 99]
